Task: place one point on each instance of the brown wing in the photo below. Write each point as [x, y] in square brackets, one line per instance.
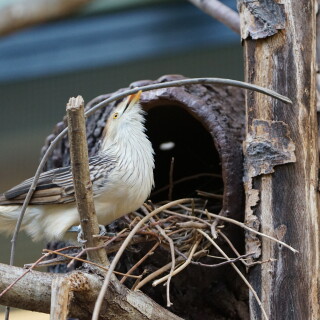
[56, 186]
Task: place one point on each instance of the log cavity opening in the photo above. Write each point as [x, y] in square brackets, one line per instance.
[174, 132]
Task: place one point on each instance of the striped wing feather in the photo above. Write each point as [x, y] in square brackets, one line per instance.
[54, 186]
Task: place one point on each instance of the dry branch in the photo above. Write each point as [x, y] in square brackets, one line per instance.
[220, 12]
[24, 13]
[34, 292]
[81, 178]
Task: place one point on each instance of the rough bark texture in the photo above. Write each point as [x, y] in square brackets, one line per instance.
[288, 207]
[81, 178]
[33, 292]
[60, 298]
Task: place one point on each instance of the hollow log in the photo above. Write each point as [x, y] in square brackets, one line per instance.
[206, 125]
[281, 155]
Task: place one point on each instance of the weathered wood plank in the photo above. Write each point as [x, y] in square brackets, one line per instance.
[288, 205]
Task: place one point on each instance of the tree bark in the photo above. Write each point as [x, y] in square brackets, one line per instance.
[282, 58]
[60, 298]
[81, 179]
[33, 292]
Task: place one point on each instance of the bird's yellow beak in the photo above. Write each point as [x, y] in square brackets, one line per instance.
[134, 98]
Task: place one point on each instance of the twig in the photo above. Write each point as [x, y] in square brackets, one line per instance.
[248, 265]
[163, 233]
[164, 269]
[118, 96]
[115, 260]
[242, 225]
[86, 261]
[16, 15]
[192, 225]
[217, 265]
[20, 277]
[209, 194]
[179, 269]
[148, 254]
[238, 271]
[195, 176]
[187, 217]
[81, 178]
[171, 179]
[220, 12]
[226, 239]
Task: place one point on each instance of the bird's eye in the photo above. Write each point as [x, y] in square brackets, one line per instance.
[115, 116]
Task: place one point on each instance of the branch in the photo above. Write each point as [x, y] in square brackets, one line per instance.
[220, 12]
[21, 14]
[60, 298]
[81, 178]
[33, 292]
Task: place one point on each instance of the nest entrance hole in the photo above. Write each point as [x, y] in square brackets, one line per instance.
[175, 133]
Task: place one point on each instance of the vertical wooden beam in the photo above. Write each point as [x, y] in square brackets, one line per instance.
[279, 53]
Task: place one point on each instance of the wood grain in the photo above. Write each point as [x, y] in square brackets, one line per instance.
[288, 206]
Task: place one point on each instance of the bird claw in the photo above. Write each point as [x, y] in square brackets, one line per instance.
[102, 232]
[80, 236]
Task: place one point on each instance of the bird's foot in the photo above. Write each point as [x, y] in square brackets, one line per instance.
[102, 232]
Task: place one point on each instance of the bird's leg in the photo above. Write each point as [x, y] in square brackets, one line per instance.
[102, 232]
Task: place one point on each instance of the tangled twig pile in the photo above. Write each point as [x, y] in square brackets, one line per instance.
[184, 228]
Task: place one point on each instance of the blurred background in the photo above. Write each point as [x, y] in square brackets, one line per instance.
[103, 46]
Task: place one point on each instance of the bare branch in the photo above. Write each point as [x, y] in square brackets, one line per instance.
[21, 14]
[220, 12]
[33, 292]
[81, 178]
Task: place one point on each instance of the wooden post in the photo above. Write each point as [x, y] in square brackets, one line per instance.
[281, 155]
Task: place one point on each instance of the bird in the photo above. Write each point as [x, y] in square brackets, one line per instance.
[121, 173]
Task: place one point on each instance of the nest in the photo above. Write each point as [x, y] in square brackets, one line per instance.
[181, 246]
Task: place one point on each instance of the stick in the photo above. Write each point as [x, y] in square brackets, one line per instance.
[165, 268]
[195, 176]
[220, 12]
[179, 269]
[148, 254]
[238, 271]
[96, 311]
[171, 179]
[173, 264]
[81, 178]
[87, 261]
[60, 298]
[242, 225]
